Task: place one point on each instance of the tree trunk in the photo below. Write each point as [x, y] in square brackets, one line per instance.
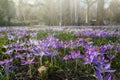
[87, 15]
[60, 22]
[9, 20]
[76, 12]
[100, 12]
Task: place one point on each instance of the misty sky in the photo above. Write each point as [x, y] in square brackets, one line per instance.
[32, 2]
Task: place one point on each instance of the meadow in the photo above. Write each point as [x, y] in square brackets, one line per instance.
[60, 53]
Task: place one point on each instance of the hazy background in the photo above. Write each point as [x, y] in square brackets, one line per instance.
[59, 12]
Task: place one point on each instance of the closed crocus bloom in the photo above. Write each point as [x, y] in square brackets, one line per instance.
[110, 56]
[73, 55]
[118, 48]
[110, 46]
[66, 57]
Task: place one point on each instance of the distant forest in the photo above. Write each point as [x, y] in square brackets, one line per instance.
[59, 12]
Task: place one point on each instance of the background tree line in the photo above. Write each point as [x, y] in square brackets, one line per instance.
[59, 12]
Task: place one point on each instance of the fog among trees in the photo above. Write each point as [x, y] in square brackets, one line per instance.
[59, 12]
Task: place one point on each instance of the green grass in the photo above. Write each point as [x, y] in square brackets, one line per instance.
[3, 41]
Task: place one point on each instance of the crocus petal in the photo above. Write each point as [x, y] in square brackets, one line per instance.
[107, 66]
[98, 75]
[98, 69]
[1, 62]
[109, 70]
[35, 62]
[108, 77]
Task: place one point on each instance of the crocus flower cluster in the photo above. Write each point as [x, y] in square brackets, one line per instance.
[102, 66]
[96, 33]
[95, 56]
[26, 48]
[31, 48]
[73, 44]
[18, 34]
[93, 27]
[46, 47]
[73, 55]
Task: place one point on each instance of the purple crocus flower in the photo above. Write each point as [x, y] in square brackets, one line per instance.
[52, 41]
[99, 75]
[110, 56]
[107, 77]
[110, 46]
[103, 69]
[39, 51]
[28, 61]
[52, 52]
[6, 64]
[75, 55]
[79, 41]
[67, 57]
[90, 54]
[103, 49]
[102, 65]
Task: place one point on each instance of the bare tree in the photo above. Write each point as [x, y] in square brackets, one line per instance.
[88, 4]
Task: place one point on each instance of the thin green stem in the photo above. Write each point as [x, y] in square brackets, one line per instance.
[76, 65]
[41, 60]
[7, 76]
[30, 70]
[52, 60]
[64, 50]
